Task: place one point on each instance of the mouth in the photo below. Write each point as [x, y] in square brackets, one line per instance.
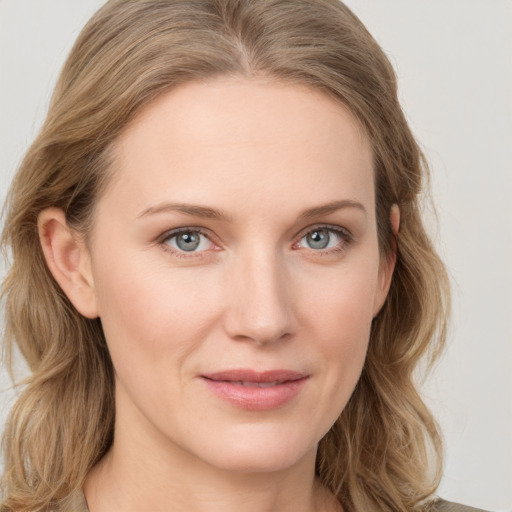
[256, 384]
[254, 390]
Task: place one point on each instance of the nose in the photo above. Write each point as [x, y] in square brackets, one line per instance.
[259, 304]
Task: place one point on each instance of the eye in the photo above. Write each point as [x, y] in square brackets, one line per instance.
[325, 239]
[188, 240]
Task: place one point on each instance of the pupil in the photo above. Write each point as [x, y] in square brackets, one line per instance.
[318, 239]
[188, 241]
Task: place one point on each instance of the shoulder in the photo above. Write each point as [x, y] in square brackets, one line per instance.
[447, 506]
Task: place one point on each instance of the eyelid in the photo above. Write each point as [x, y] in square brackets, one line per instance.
[332, 227]
[344, 233]
[164, 237]
[186, 229]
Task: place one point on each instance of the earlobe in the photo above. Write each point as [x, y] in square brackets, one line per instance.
[68, 260]
[387, 265]
[394, 219]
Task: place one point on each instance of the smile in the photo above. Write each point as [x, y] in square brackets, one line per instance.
[257, 384]
[256, 391]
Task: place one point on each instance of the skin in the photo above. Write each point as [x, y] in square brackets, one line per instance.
[254, 294]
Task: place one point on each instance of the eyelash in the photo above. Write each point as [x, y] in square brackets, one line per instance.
[346, 239]
[166, 237]
[345, 235]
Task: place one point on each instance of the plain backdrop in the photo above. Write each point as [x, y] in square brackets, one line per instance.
[454, 63]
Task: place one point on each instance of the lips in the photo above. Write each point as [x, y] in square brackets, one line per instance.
[253, 390]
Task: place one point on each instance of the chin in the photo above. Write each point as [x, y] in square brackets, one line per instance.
[260, 450]
[259, 461]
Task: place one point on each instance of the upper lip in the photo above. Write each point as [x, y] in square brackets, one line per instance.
[247, 375]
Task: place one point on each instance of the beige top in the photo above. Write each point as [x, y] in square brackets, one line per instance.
[73, 503]
[446, 506]
[77, 503]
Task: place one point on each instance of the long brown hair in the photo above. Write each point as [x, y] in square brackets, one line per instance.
[384, 451]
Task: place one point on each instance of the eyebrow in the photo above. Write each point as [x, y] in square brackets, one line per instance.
[332, 207]
[193, 210]
[205, 212]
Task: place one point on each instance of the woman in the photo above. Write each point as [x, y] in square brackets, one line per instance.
[220, 277]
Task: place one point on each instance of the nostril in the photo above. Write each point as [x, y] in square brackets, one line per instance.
[261, 338]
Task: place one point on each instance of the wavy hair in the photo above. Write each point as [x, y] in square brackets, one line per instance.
[384, 451]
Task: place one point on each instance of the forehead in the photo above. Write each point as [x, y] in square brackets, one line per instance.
[232, 138]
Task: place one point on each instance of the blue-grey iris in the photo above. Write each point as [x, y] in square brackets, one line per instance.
[188, 241]
[318, 239]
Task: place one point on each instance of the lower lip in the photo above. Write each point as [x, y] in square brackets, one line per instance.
[256, 398]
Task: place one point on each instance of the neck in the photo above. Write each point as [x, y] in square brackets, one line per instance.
[119, 484]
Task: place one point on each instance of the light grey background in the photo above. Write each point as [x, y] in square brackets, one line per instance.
[454, 62]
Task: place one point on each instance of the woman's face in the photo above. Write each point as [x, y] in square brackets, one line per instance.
[236, 272]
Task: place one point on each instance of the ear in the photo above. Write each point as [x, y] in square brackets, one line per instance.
[68, 259]
[387, 265]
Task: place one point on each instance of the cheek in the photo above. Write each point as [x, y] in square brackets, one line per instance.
[148, 311]
[341, 304]
[340, 316]
[346, 335]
